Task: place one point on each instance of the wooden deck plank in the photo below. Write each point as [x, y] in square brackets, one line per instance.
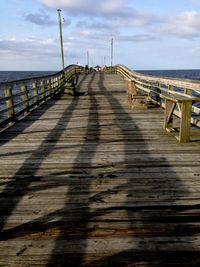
[86, 181]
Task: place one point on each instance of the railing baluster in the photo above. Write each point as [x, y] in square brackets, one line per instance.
[150, 87]
[49, 88]
[35, 94]
[10, 104]
[52, 85]
[158, 91]
[170, 87]
[25, 97]
[43, 93]
[187, 91]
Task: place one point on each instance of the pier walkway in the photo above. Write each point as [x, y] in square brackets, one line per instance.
[87, 181]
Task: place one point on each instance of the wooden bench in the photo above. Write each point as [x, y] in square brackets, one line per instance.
[174, 101]
[184, 105]
[134, 99]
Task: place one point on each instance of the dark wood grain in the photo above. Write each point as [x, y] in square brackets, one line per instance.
[86, 181]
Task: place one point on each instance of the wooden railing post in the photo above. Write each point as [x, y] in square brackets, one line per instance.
[57, 83]
[60, 81]
[25, 97]
[10, 104]
[158, 91]
[150, 87]
[63, 77]
[35, 94]
[187, 91]
[170, 87]
[49, 88]
[42, 89]
[52, 87]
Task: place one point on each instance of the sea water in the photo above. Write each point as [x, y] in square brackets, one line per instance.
[182, 74]
[6, 76]
[19, 75]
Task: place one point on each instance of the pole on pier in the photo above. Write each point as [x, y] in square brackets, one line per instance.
[88, 59]
[111, 55]
[61, 38]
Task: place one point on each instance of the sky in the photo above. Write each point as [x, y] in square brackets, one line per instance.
[147, 34]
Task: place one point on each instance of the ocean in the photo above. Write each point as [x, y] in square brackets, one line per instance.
[7, 76]
[183, 74]
[18, 75]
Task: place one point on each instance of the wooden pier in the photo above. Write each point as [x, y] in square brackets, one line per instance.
[88, 181]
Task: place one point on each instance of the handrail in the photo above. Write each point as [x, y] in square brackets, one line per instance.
[19, 97]
[156, 87]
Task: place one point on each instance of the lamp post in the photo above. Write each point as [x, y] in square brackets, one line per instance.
[111, 56]
[88, 59]
[61, 39]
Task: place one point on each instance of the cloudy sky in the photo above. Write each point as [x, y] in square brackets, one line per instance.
[148, 34]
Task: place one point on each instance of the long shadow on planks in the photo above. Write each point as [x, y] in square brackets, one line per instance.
[160, 228]
[19, 185]
[62, 219]
[24, 123]
[66, 253]
[148, 229]
[145, 229]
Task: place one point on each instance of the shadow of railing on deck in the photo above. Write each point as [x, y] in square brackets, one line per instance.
[150, 214]
[145, 220]
[19, 185]
[8, 134]
[72, 254]
[156, 222]
[65, 220]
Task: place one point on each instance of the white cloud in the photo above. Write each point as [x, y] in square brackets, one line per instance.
[136, 38]
[29, 47]
[110, 5]
[185, 25]
[40, 19]
[86, 6]
[116, 11]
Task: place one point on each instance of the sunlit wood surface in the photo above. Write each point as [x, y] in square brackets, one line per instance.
[86, 181]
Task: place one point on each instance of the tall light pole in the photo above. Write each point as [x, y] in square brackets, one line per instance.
[61, 38]
[88, 59]
[111, 54]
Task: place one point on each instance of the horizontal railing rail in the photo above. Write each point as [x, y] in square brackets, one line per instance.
[20, 97]
[157, 87]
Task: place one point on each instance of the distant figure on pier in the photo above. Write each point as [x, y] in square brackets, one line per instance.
[97, 68]
[86, 69]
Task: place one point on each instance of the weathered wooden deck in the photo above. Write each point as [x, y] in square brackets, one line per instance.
[85, 181]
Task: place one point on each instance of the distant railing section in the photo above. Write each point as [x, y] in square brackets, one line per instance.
[18, 98]
[157, 87]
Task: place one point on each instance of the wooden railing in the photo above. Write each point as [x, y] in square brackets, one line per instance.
[18, 98]
[157, 87]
